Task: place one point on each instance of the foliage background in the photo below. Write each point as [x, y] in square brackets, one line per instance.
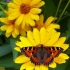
[49, 9]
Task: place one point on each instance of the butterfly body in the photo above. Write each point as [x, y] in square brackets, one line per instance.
[41, 54]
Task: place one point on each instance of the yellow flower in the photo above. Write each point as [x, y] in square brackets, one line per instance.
[11, 29]
[24, 11]
[22, 32]
[48, 24]
[41, 37]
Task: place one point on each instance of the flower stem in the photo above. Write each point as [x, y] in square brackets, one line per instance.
[63, 11]
[2, 9]
[58, 7]
[63, 17]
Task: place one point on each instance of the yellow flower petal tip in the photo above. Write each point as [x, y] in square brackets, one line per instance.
[17, 49]
[48, 24]
[21, 59]
[52, 65]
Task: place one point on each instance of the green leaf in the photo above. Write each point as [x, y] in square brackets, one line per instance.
[49, 8]
[4, 50]
[13, 45]
[7, 61]
[1, 13]
[68, 25]
[68, 36]
[68, 66]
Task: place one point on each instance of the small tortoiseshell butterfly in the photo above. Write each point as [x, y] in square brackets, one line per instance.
[41, 55]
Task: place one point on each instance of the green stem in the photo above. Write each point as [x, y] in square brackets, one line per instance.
[63, 17]
[63, 11]
[58, 7]
[2, 9]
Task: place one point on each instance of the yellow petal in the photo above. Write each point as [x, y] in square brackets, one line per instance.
[49, 20]
[9, 29]
[22, 32]
[39, 23]
[49, 35]
[64, 56]
[60, 41]
[30, 20]
[41, 19]
[52, 65]
[4, 20]
[43, 67]
[35, 10]
[18, 2]
[17, 49]
[59, 60]
[19, 20]
[23, 22]
[34, 2]
[24, 1]
[27, 1]
[36, 35]
[30, 66]
[21, 59]
[53, 39]
[10, 10]
[20, 44]
[64, 46]
[4, 27]
[42, 35]
[14, 15]
[7, 34]
[41, 3]
[37, 67]
[16, 31]
[25, 41]
[51, 26]
[35, 17]
[14, 34]
[30, 38]
[24, 66]
[12, 5]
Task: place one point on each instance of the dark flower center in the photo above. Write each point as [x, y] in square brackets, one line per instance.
[24, 8]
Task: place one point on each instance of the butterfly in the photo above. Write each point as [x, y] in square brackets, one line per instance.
[41, 54]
